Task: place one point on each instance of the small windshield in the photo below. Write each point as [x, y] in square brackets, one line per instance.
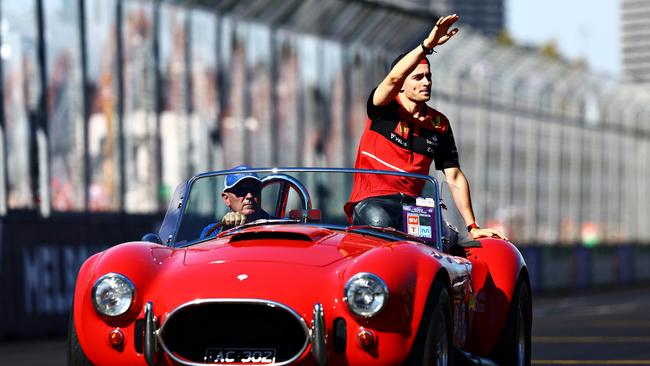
[317, 197]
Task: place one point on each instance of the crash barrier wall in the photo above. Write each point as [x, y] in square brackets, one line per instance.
[553, 268]
[40, 258]
[39, 261]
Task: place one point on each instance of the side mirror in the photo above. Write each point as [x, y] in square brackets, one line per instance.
[152, 238]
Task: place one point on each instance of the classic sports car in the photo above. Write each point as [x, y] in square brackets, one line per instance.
[303, 287]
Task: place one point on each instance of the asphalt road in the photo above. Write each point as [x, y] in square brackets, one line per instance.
[604, 328]
[607, 328]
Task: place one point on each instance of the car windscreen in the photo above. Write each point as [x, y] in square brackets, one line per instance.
[316, 197]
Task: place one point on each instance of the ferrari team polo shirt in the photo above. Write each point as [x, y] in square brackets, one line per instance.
[394, 140]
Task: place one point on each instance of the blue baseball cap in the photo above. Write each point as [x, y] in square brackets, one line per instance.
[231, 180]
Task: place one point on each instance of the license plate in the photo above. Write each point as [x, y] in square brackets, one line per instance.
[240, 356]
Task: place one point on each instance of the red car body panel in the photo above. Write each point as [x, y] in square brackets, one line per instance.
[299, 266]
[496, 266]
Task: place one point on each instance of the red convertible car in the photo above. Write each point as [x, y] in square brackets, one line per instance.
[302, 286]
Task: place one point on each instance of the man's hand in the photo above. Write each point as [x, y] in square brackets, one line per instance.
[440, 32]
[487, 233]
[233, 219]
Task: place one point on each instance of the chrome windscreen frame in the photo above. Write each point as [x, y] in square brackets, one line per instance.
[170, 236]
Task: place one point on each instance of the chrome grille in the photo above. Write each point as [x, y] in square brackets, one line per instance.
[193, 328]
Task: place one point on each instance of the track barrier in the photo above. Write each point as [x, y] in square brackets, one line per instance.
[40, 258]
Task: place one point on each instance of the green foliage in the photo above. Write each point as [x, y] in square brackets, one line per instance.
[504, 38]
[550, 50]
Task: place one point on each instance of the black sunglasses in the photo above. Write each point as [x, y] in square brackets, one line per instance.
[240, 190]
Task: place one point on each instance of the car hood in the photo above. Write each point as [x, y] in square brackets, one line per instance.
[291, 244]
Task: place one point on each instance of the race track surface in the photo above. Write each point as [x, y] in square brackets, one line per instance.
[602, 328]
[605, 328]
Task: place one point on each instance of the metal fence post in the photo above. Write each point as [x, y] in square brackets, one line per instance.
[81, 8]
[42, 143]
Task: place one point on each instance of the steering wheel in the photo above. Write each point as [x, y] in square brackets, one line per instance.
[286, 183]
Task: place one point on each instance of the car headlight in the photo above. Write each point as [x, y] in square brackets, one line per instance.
[113, 294]
[366, 294]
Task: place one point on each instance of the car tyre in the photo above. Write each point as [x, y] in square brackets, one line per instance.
[514, 344]
[76, 355]
[433, 344]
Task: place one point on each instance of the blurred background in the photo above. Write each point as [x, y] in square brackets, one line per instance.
[107, 105]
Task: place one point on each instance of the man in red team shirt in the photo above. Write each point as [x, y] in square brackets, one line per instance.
[403, 134]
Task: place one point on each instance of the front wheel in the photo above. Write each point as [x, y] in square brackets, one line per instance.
[76, 356]
[514, 345]
[433, 344]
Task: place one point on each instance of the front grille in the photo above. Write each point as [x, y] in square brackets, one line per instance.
[192, 329]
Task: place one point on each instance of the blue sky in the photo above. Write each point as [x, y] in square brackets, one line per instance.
[580, 28]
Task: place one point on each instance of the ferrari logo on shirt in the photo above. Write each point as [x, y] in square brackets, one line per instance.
[435, 122]
[402, 129]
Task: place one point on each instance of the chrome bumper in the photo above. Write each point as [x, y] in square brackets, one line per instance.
[318, 336]
[150, 333]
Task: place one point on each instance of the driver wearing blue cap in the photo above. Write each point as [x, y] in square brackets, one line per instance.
[241, 193]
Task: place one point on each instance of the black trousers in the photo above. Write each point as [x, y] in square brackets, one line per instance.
[382, 211]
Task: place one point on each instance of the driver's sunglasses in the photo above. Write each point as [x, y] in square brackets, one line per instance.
[240, 190]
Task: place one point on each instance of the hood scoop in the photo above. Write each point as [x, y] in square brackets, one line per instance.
[270, 235]
[301, 245]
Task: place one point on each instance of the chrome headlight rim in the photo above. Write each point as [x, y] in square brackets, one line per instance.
[373, 277]
[113, 276]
